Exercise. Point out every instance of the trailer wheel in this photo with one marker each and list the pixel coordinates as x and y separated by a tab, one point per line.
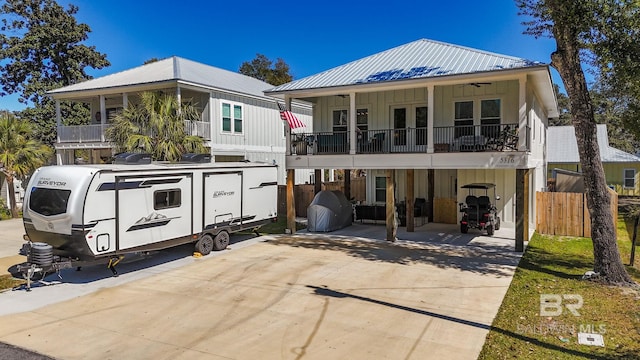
221	241
204	245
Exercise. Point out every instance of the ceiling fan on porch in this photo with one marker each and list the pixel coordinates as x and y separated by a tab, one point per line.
478	84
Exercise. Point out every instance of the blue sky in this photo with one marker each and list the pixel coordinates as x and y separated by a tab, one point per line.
309	36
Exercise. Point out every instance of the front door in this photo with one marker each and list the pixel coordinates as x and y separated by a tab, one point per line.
399	127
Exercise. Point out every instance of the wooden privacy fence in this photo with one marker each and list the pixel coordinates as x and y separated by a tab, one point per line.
304	194
560	213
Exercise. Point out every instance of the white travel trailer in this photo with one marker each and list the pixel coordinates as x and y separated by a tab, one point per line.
94	212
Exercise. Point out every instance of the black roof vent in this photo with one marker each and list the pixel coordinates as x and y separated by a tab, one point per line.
132	158
196	158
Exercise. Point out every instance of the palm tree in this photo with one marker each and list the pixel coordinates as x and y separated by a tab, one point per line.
20	154
156	125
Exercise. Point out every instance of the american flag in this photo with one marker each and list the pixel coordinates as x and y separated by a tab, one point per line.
291	119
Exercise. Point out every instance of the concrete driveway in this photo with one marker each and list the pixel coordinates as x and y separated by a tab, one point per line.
431	295
11	241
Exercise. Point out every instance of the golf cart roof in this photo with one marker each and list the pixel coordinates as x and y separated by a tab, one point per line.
484	186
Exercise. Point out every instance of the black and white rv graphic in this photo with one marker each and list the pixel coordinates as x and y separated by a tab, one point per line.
152	220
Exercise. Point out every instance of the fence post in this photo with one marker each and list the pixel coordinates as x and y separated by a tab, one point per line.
633	241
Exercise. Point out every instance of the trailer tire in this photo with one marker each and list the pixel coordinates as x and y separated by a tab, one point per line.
204	245
221	241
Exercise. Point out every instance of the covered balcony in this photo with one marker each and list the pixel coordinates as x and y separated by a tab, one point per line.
445	139
96	133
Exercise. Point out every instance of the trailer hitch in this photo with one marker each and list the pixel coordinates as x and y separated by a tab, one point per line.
113	261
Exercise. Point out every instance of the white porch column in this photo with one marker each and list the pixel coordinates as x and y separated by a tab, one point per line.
287	129
58	119
179	97
352	123
103	116
430	118
125	100
522	113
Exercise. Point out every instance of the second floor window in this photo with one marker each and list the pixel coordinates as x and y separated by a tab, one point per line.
463	118
490	118
340	119
231	118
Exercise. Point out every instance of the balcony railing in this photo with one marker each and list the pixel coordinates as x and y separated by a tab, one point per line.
501	137
81	133
198	128
95	133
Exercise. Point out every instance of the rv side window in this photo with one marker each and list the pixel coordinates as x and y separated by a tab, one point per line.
164	199
49	201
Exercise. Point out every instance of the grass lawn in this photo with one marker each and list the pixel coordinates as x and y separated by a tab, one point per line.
8	282
555	265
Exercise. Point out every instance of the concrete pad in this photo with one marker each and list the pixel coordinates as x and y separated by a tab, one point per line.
11	241
11	232
287	297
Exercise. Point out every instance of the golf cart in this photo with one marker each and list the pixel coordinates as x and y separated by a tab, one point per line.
479	212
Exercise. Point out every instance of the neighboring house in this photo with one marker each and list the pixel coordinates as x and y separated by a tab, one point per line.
4	191
620	168
238	122
434	115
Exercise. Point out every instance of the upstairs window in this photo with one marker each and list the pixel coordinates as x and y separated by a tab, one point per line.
340	121
231	118
463	118
490	118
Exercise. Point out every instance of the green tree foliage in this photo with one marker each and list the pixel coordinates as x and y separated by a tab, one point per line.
156	125
20	154
604	34
564	108
41	45
263	69
610	107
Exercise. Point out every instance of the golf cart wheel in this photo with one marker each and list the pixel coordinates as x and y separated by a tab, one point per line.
497	223
221	241
490	230
464	228
204	245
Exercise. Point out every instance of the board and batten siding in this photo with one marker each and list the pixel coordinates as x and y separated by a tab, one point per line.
262	138
505	180
379	104
444	98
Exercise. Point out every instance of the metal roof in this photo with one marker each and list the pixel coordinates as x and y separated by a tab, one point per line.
173	69
416	60
562	146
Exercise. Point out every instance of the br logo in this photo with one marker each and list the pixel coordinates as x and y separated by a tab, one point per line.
551	304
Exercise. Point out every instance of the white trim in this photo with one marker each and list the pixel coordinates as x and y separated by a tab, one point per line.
232	105
248	148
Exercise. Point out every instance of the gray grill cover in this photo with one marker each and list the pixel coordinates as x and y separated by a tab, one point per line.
329	211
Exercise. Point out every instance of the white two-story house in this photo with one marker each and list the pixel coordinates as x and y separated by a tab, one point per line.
424	119
238	121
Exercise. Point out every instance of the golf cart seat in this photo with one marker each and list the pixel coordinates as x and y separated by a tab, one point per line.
484	203
472	206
